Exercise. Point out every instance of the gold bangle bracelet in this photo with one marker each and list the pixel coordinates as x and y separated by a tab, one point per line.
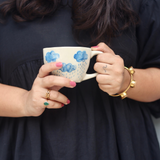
132	84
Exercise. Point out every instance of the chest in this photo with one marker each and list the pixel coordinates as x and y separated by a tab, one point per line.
23	42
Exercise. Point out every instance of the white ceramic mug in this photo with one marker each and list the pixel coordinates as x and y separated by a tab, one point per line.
75	61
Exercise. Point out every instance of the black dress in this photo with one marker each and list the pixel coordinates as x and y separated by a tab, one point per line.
94	126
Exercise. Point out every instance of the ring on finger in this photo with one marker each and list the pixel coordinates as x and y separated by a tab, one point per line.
48	94
47	97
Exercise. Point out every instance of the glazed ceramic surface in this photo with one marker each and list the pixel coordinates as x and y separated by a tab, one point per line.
75	61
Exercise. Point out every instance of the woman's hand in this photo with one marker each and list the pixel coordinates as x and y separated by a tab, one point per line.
112	77
35	98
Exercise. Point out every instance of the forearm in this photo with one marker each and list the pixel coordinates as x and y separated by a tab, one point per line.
147	87
11	101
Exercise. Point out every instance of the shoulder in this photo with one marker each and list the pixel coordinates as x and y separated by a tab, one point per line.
136	5
140	6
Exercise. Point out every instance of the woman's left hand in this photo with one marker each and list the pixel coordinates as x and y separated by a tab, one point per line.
110	68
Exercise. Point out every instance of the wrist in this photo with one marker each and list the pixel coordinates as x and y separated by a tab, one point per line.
125	82
24	110
131	84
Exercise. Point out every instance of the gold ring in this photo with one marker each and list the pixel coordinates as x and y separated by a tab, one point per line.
48	94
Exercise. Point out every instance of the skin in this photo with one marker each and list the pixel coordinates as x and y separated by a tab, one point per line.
31	103
17	102
115	79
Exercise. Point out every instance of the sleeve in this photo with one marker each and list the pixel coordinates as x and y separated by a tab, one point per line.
148	38
148	35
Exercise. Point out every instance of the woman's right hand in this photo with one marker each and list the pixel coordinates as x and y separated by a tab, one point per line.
35	98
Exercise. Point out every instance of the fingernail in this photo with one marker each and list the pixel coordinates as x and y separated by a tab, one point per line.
62	105
72	83
68	101
94	47
59	64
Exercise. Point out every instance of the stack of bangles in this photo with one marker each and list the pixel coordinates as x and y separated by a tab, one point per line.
132	84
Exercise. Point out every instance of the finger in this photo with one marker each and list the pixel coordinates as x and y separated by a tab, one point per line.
51	80
102	68
51	104
104	79
107	88
103	47
109	80
49	67
106	58
55	96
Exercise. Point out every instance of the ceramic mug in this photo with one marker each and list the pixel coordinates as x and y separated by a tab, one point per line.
75	61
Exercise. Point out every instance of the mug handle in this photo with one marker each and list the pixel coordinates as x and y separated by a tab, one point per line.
88	76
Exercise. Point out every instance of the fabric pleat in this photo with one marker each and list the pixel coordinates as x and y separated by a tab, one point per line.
94	126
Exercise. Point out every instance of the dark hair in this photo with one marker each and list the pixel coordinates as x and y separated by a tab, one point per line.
97	18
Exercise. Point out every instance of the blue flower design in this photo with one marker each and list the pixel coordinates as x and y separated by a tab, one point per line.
68	67
51	56
81	56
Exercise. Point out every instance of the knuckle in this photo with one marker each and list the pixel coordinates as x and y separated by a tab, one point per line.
118	56
98	57
35	83
118	72
119	59
42	69
100	86
102	44
56	95
98	78
103	88
95	66
48	79
112	51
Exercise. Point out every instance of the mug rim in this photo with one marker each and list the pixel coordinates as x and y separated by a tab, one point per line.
63	47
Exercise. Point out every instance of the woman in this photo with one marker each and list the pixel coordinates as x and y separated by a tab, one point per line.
87	120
